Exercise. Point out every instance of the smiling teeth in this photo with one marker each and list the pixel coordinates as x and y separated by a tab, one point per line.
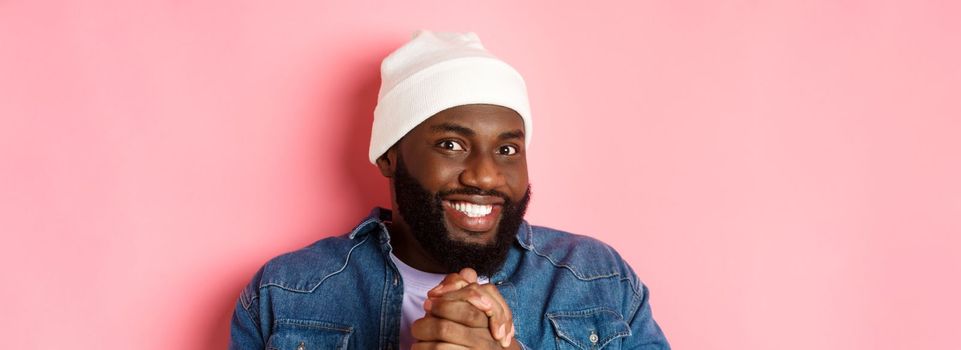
471	209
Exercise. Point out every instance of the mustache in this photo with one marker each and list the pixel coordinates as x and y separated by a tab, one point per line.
473	191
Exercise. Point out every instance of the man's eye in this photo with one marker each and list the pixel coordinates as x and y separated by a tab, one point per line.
507	150
451	145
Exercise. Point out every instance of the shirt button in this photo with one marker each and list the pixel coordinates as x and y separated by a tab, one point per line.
593	337
395	280
301	346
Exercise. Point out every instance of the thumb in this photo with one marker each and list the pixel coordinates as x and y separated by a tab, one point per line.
469	274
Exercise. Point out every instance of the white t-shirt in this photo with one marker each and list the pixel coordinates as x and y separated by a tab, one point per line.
416	285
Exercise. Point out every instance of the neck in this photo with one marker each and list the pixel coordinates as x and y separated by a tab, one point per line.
406	248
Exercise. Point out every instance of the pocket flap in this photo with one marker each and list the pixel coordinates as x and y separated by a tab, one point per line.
590	328
308	335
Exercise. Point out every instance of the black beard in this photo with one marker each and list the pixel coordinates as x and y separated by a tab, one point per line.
424	214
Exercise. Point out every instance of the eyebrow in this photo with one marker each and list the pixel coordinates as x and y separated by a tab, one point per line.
463	130
448	127
510	135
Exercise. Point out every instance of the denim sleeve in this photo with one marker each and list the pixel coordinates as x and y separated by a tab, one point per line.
646	334
245	329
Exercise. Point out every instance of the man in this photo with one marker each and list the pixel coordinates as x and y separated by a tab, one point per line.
453	265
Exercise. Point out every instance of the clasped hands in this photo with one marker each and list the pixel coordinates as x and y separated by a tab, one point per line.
462	314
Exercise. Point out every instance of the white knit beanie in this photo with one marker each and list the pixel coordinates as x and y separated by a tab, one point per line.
437	71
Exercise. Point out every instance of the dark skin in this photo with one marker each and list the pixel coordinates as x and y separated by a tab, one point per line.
480	146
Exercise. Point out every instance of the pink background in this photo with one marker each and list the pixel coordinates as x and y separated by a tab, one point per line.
783	175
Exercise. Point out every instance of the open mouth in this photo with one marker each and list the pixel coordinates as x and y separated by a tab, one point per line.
472	216
471	209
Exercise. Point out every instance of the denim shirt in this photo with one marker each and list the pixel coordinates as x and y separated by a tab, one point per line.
565	291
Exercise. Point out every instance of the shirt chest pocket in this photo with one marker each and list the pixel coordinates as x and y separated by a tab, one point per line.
595	328
308	335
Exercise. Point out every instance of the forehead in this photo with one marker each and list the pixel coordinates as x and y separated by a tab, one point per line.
481	118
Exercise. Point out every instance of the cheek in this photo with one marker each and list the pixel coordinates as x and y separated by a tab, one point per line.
517	179
438	174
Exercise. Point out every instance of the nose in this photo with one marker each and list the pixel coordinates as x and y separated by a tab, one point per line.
482	172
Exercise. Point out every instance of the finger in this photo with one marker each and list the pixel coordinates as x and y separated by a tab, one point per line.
459	311
451	282
507	317
502	322
437	346
468	274
480	302
480	296
437	329
473	295
441	330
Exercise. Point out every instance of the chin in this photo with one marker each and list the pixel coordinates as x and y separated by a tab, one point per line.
458	234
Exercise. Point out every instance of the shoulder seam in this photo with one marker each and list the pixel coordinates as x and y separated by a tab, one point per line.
250	312
636	301
311	290
577	274
570	268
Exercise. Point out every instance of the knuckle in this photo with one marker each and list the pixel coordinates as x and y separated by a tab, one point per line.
417	324
443	308
477	313
451	278
445	328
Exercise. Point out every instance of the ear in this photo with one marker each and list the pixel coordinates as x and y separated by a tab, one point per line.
387	163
